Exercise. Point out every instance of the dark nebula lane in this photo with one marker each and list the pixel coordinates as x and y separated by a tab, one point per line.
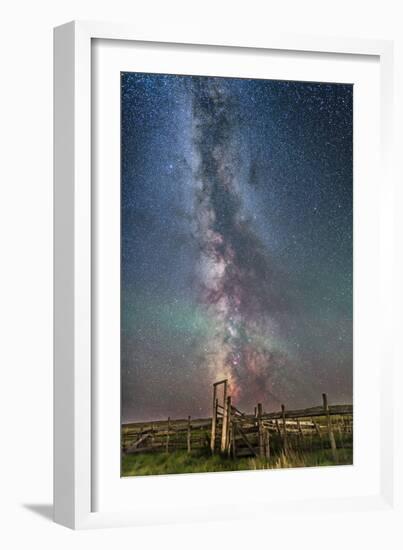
236	243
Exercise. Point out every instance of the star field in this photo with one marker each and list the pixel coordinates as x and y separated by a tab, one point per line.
237	236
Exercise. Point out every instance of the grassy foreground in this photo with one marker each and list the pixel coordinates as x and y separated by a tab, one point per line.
181	462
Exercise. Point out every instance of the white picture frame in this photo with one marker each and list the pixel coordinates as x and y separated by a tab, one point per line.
75	391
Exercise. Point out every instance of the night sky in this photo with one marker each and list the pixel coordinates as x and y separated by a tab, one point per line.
237	237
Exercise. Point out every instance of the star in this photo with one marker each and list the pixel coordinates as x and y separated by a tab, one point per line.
236	242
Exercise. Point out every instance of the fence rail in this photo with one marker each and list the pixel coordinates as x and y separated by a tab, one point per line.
238	434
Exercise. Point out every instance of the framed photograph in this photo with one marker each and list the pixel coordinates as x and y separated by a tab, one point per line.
221	230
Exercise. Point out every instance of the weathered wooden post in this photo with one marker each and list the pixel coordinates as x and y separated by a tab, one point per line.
340	431
214	419
228	436
167	442
189	435
285	439
300	430
224	420
329	428
233	442
267	443
318	432
260	428
317	429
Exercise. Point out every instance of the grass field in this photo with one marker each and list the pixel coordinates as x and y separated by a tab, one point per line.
181	462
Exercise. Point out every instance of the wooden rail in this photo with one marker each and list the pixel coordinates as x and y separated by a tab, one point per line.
259	433
237	434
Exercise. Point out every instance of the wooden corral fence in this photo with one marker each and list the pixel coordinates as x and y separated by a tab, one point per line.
237	434
166	435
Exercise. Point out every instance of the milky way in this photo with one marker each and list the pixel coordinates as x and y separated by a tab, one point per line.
236	243
235	273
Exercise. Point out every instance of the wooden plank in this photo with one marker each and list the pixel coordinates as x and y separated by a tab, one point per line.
329	428
301	433
228	435
340	432
239	430
137	442
340	410
284	426
317	429
224	421
266	443
249	429
214	420
260	430
167	440
238	411
221	382
189	434
245	452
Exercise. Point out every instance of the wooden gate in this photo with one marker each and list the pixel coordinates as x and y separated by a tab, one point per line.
235	433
